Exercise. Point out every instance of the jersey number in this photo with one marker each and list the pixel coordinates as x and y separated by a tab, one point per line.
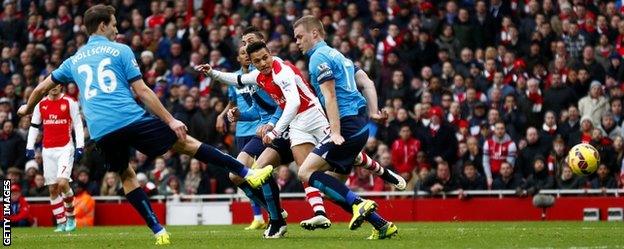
350	78
102	73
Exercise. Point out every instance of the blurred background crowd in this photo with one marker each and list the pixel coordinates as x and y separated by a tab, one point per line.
482	94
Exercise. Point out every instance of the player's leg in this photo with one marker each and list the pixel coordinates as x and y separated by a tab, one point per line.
328	156
364	161
313	195
66	163
277	223
115	148
49	174
208	154
248	152
57	208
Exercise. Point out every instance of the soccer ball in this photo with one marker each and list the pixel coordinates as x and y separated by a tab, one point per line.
583	159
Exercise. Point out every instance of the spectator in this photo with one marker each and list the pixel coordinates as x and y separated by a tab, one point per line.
438	139
615	108
173	186
583	135
84	177
179	77
608	126
470	178
535	146
473	155
16	176
549	130
532	101
111	185
20	209
440	181
193	177
568	180
84	205
559	95
571	125
12	147
496	150
507	179
515	120
394	127
361	179
39	189
594	105
287	183
186	113
556	160
148	187
603	179
540	179
404	151
159	174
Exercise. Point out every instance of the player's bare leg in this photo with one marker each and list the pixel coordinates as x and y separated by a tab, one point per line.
67	195
313	195
364	161
57	207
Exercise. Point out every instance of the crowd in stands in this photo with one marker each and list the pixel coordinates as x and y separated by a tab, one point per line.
482	94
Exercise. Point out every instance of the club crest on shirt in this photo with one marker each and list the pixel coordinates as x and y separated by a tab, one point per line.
63	107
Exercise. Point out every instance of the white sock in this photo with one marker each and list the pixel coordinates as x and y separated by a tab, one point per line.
259	217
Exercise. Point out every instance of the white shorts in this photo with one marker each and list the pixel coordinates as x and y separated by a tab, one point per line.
57	163
310	126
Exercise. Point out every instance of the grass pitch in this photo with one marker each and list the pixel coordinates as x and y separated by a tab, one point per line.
411	235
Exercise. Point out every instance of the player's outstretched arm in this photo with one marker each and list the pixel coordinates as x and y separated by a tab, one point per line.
328	88
40	91
367	87
154	105
232	79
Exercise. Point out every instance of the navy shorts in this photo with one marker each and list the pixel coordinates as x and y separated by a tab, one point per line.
282	146
354	129
252	145
150	136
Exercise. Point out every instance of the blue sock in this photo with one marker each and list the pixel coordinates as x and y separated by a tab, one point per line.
210	155
256	209
376	220
255	195
271	195
334	188
141	204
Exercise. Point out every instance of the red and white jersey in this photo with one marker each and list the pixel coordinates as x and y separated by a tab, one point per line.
497	151
57	118
287	88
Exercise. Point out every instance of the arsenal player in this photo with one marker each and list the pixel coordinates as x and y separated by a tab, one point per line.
57	115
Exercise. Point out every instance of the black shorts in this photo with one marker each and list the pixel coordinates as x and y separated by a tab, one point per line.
282	146
354	129
252	145
150	136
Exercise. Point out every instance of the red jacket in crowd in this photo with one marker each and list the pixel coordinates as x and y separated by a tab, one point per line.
404	154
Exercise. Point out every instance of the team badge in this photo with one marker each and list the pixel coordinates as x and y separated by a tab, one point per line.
63	107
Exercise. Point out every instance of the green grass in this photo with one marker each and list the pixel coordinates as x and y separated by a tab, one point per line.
411	235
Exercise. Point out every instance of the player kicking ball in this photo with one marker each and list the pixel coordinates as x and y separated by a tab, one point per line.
57	115
334	78
107	73
302	112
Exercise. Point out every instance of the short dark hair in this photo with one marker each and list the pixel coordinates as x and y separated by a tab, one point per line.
255	31
255	47
96	15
